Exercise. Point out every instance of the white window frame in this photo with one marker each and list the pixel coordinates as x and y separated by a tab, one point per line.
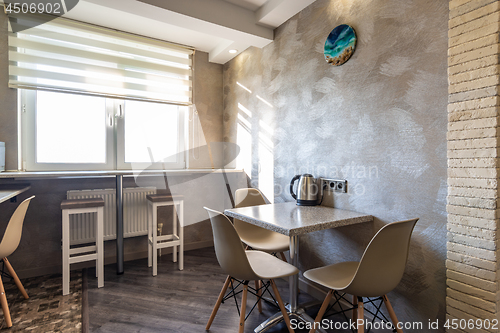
115	159
158	165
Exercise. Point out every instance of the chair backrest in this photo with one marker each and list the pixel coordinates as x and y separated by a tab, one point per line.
13	232
245	197
383	263
228	248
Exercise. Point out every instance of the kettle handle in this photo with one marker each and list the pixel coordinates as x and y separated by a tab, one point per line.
291	186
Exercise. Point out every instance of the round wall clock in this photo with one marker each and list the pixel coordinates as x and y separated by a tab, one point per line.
340	45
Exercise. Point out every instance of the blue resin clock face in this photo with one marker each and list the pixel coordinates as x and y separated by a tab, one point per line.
340	45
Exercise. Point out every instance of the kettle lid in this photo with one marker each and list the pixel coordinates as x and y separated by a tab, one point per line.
307	175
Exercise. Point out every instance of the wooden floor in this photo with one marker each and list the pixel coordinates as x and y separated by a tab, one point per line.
173	301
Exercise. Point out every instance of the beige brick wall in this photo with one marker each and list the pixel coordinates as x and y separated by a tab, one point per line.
473	208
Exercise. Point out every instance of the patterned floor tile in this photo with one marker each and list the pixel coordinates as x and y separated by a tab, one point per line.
47	310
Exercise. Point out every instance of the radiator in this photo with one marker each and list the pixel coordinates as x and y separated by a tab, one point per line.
134	214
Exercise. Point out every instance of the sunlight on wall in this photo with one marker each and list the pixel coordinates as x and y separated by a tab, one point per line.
264	150
244	140
266	158
264	101
242	86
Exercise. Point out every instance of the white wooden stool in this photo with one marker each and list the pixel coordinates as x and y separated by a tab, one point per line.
175	239
81	254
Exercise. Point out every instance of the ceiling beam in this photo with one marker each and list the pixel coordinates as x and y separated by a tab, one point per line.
276	12
218	12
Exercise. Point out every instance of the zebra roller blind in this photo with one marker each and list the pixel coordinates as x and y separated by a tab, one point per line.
69	56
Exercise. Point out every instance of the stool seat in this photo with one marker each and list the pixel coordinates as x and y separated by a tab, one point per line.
163	197
176	239
82	203
82	253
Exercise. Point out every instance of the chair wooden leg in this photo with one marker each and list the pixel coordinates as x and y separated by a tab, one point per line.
282	306
258	285
16	279
243	308
5	305
392	314
283	257
219	301
322	310
355	308
361	316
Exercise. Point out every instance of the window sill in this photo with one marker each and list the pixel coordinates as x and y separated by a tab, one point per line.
106	173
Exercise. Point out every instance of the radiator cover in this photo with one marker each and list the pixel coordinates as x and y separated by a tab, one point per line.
134	214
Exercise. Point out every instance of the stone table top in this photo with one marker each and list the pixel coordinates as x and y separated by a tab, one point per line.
289	219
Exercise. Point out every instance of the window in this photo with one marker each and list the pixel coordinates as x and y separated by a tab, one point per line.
56	142
146	129
64	131
99	99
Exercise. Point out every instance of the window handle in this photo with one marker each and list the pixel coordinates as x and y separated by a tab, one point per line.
120	112
110	120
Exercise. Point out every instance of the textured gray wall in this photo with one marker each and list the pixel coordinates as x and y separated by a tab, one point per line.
378	121
8	105
205	127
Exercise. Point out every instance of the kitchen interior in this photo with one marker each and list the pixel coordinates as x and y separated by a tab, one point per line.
405	129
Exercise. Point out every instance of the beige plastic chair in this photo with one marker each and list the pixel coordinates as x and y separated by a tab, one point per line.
9	244
243	266
256	237
379	271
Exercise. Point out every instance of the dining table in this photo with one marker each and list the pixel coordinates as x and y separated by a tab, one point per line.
292	220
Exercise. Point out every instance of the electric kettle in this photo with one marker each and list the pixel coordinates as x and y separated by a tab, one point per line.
307	190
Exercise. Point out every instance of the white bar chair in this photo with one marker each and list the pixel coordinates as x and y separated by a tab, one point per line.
173	240
86	253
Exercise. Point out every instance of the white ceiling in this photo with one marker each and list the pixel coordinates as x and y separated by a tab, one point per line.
213	26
